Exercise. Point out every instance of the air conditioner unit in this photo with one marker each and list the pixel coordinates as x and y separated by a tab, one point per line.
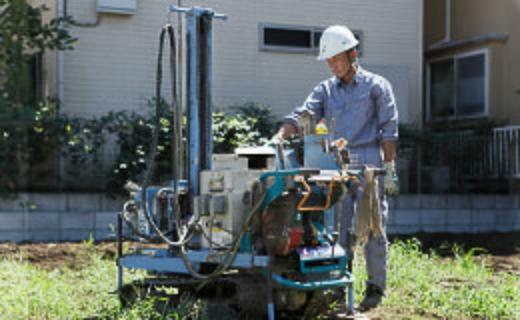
127	7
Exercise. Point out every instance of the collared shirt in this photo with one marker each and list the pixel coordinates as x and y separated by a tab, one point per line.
363	111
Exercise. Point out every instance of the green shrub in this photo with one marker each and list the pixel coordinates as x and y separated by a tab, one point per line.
36	134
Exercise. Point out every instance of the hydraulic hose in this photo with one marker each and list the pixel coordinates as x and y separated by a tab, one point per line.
155	140
223	266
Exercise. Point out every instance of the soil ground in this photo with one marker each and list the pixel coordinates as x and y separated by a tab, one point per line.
502	248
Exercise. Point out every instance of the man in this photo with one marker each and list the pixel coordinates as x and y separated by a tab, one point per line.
362	106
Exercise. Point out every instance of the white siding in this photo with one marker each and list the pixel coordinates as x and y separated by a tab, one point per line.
113	66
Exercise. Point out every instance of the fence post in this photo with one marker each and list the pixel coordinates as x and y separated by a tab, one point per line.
419	168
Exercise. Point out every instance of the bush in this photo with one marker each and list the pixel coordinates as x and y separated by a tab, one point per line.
250	126
80	143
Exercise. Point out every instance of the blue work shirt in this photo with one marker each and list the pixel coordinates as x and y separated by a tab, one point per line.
363	111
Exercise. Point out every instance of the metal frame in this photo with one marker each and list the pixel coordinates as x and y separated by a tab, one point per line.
160	260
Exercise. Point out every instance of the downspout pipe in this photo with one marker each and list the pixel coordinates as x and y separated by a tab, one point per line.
447	21
60	92
60	61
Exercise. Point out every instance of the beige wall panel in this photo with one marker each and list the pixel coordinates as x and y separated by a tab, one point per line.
391	34
512	64
113	66
477	17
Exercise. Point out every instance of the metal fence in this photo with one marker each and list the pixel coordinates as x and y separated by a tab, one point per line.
495	155
505	153
463	162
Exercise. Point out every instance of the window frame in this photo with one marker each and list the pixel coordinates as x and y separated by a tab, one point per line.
455	58
313	49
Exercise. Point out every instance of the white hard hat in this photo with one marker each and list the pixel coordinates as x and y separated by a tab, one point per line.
334	40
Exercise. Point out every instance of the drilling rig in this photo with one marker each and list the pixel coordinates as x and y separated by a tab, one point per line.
260	236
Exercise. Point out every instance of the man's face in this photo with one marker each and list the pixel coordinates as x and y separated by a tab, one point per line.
340	65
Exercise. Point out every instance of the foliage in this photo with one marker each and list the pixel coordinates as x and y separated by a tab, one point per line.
134	133
23	32
121	138
28	125
263	123
33	135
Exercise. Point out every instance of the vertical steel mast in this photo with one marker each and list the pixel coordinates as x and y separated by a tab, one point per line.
199	40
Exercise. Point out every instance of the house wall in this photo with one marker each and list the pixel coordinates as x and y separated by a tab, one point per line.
471	18
499	17
243	72
113	65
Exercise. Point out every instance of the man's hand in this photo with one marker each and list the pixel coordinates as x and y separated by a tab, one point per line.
277	139
390	181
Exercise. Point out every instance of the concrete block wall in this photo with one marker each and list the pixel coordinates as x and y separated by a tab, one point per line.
77	216
454	213
58	217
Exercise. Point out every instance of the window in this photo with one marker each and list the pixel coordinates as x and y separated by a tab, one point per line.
457	86
296	39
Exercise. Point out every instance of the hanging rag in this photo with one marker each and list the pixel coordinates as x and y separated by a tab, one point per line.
368	219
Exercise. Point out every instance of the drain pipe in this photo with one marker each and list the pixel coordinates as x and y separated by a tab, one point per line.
447	21
60	92
60	61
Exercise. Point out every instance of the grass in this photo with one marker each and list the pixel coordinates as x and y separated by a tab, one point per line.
420	286
428	286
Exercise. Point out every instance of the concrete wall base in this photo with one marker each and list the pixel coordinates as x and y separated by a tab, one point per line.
35	217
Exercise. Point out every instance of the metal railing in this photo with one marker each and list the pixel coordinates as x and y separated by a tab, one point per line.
506	151
493	155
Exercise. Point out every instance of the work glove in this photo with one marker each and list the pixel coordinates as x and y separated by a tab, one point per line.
391	181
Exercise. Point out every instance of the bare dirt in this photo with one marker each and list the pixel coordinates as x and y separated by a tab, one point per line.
50	256
502	248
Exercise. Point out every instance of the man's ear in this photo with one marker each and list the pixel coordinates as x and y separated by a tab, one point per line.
353	55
